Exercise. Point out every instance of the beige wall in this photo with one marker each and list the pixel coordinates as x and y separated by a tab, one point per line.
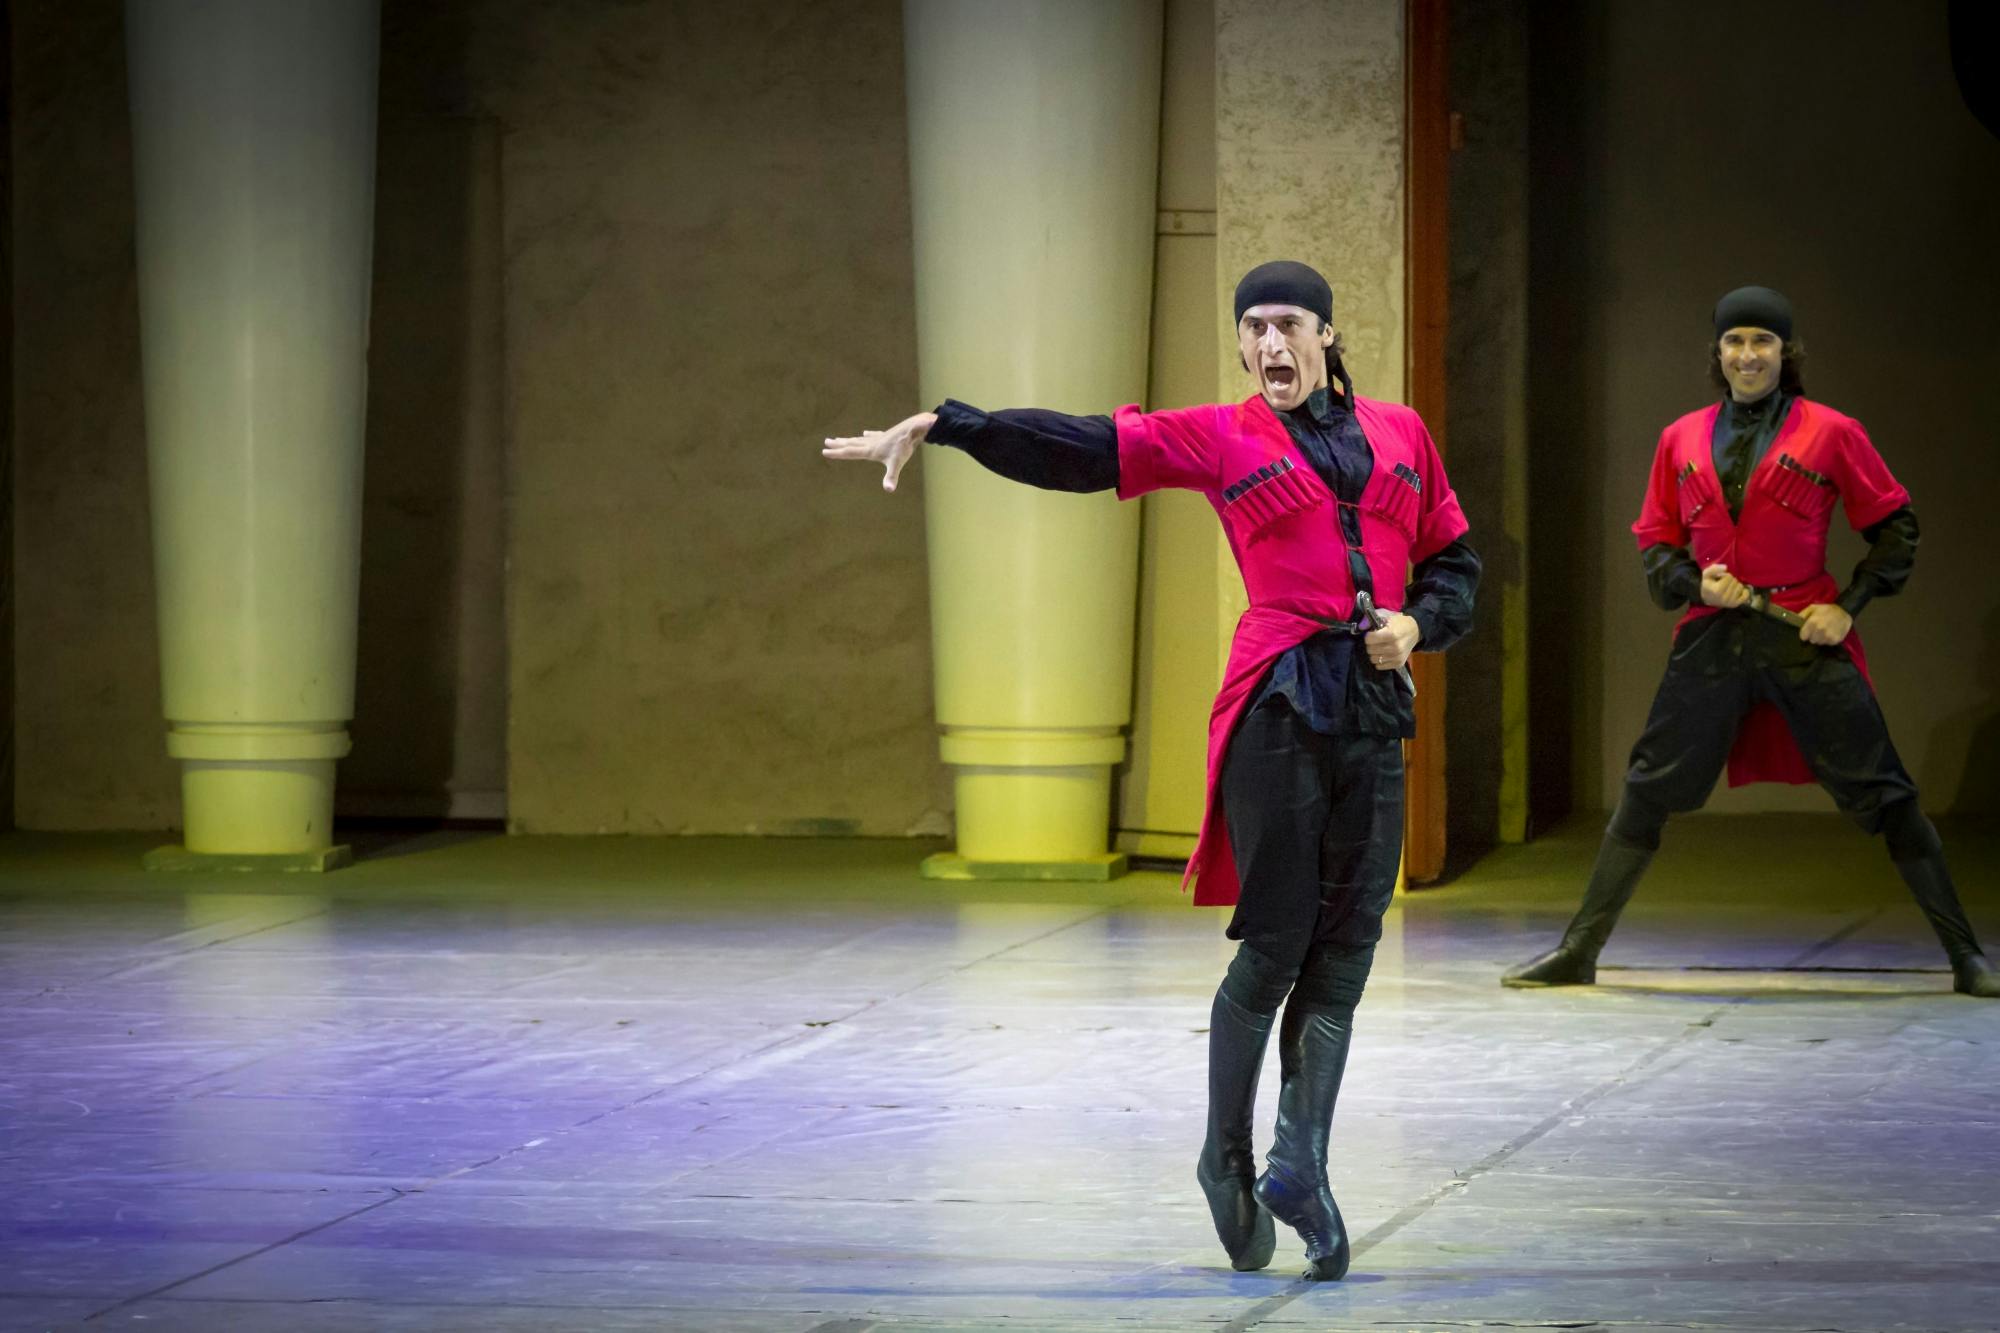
1850	175
706	228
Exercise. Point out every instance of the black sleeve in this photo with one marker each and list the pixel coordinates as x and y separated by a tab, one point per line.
1672	577
1440	595
1892	554
1045	449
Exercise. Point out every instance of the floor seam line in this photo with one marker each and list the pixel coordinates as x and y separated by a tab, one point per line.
1839	936
397	1196
212	1269
141	968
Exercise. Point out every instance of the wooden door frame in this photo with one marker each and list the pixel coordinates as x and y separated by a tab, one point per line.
1426	310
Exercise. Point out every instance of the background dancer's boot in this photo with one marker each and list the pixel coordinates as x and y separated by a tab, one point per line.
1574	961
1227	1168
1930	884
1312	1050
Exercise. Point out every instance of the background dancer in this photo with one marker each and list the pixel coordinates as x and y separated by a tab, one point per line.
1766	673
1327	500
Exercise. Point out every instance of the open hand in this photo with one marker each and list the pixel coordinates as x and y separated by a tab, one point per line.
891	448
1390	647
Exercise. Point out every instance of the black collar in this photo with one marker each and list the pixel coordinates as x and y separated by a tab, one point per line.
1324	406
1757	413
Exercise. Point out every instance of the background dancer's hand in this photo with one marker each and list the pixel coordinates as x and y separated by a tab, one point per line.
1391	646
1721	588
891	448
1826	624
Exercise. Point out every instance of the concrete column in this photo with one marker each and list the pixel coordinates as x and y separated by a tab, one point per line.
1034	131
254	155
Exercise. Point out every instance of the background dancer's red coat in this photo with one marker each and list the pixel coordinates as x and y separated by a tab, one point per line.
1280	520
1820	456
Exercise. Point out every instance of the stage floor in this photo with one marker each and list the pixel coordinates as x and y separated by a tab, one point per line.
477	1083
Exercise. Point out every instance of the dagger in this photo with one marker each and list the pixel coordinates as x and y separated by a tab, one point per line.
1762	604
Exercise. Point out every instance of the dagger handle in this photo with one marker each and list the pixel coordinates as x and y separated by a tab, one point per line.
1366	606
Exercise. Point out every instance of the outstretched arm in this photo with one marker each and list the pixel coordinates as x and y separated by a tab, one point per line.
1052	450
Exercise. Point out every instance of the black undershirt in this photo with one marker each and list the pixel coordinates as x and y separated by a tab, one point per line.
1742	436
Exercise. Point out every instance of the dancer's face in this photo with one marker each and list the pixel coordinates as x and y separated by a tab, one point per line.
1284	347
1750	360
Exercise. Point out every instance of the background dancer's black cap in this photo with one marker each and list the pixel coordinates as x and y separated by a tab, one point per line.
1751	308
1285	282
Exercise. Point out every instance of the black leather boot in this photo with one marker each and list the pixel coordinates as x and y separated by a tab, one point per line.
1239	1028
1574	961
1930	884
1312	1053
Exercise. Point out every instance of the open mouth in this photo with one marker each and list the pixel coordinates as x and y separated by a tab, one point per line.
1280	378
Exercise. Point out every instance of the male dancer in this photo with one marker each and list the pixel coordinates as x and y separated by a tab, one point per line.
1766	671
1327	500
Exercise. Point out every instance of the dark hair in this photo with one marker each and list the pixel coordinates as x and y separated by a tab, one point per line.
1791	370
1335	352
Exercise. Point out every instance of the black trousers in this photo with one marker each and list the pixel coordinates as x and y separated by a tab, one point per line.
1317	827
1720	667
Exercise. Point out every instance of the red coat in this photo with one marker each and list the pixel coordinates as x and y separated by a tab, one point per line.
1281	522
1818	458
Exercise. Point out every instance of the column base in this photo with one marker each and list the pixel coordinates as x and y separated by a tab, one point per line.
1157	846
256	790
1089	869
1032	797
179	859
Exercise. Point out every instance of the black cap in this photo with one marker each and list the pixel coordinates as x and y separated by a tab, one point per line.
1754	308
1285	282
